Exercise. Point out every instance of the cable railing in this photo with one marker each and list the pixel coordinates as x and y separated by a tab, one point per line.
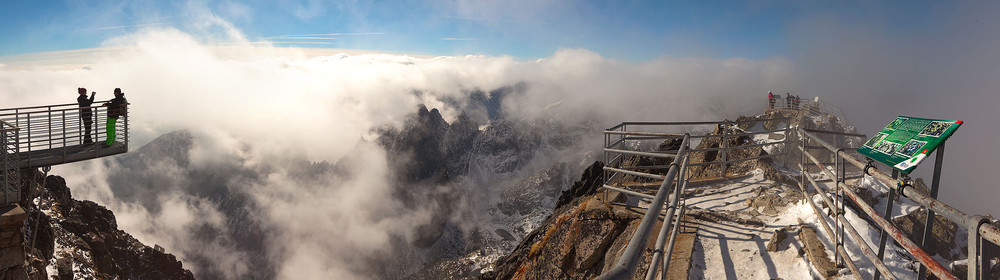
979	228
622	144
56	134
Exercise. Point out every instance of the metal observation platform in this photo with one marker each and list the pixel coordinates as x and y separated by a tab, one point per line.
43	136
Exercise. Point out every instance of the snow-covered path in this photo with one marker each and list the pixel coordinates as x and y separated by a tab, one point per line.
731	242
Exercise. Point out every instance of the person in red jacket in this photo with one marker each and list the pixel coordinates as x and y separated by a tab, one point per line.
770	100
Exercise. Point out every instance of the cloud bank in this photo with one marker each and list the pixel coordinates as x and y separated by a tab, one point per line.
271	114
266	114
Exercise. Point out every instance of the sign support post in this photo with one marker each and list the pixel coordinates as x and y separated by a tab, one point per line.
929	221
903	144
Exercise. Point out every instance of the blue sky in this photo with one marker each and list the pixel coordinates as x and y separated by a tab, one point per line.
629	30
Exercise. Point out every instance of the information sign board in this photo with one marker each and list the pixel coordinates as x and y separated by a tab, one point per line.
906	141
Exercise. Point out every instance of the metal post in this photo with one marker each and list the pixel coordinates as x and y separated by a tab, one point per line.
621	177
839	201
803	167
34	233
784	159
48	121
979	262
725	149
842	173
929	221
28	126
125	130
888	215
604	175
4	157
64	135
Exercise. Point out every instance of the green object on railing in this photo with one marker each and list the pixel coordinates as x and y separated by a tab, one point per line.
906	141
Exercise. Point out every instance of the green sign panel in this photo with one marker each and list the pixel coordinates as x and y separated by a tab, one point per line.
906	141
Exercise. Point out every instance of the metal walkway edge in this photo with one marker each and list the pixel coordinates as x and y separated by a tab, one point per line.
43	136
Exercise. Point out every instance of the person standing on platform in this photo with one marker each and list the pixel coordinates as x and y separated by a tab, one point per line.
86	115
788	100
116	109
770	100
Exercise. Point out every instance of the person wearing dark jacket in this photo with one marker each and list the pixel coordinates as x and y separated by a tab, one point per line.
116	109
85	113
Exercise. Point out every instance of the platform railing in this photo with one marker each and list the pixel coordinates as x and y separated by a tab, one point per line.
9	177
50	134
621	143
979	228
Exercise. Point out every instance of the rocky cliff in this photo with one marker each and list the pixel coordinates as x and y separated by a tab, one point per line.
81	240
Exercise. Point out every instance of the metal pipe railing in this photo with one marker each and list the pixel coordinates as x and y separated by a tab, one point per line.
668	222
59	127
616	147
627	264
979	228
956	216
638	153
8	141
842	221
56	134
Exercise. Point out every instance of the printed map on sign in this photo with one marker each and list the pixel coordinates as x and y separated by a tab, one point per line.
906	141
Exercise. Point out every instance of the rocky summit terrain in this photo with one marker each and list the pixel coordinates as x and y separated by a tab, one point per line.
753	222
76	239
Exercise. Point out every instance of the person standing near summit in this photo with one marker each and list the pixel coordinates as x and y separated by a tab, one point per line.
116	109
770	100
85	113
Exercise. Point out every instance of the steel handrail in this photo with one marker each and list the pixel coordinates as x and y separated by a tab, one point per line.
853	233
615	150
896	234
668	222
979	228
53	135
627	264
639	153
956	216
835	133
692	122
46	106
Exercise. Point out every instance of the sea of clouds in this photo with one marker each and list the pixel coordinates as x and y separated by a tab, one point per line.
259	107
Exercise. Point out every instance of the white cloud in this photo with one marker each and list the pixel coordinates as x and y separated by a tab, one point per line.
259	107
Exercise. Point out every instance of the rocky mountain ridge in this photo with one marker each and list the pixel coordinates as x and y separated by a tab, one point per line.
81	240
486	179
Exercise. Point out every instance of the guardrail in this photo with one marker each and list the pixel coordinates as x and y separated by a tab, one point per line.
55	134
979	228
621	143
10	177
